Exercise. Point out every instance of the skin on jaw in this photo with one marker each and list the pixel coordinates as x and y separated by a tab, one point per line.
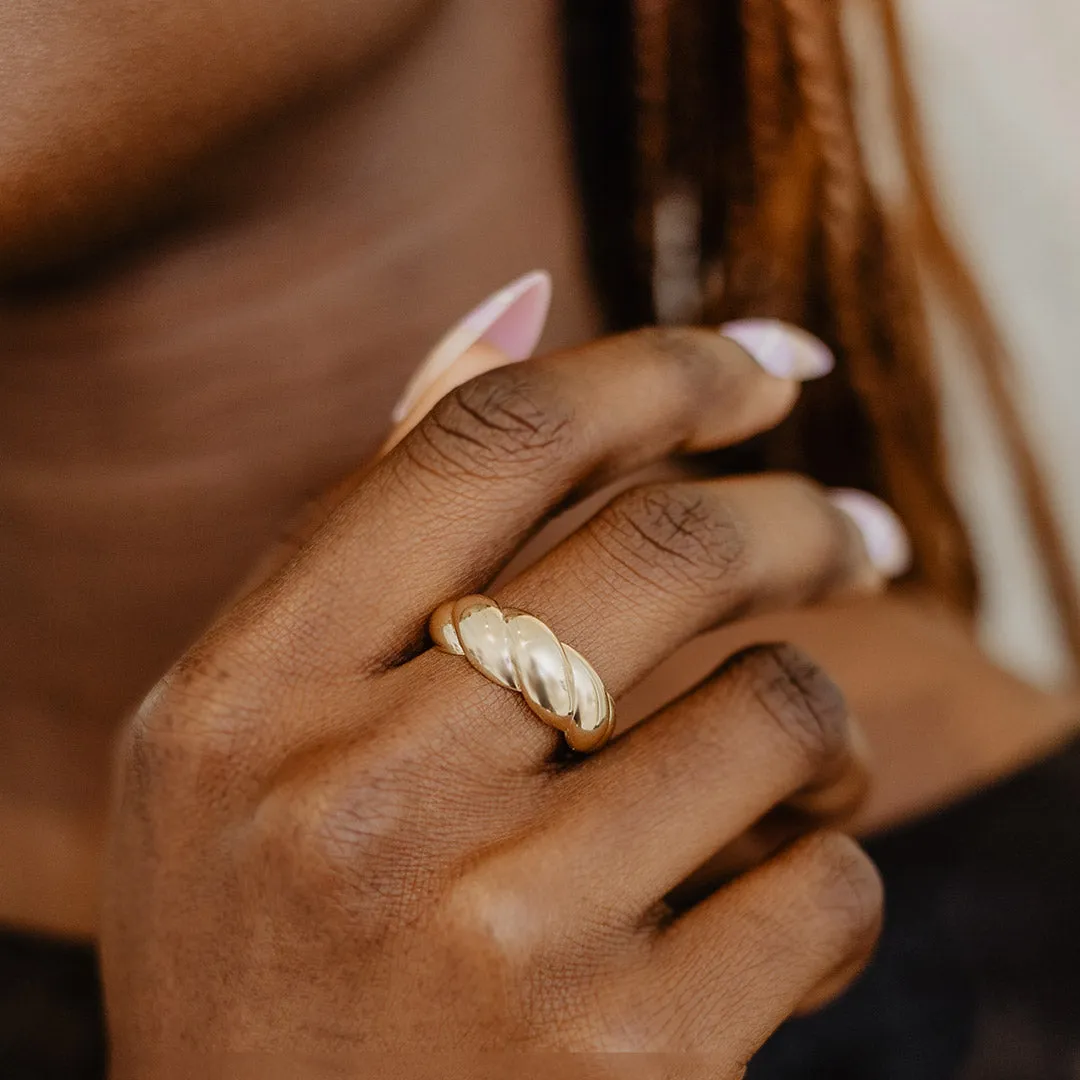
105	101
164	414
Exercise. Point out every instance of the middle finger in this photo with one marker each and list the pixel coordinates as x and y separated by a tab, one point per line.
663	563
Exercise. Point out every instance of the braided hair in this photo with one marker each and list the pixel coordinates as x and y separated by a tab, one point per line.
723	176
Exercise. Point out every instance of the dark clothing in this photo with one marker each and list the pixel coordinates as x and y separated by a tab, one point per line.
978	972
51	1025
977	976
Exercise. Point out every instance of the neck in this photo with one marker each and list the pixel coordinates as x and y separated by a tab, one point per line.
160	422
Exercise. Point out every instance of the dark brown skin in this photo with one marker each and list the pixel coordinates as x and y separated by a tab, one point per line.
165	415
328	844
162	422
106	102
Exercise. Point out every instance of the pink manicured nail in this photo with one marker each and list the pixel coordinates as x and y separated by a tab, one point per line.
885	537
512	320
781	349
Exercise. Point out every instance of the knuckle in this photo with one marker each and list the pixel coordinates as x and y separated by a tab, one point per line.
189	727
674	533
630	1025
703	364
797	486
797	697
493	921
833	545
345	837
694	353
847	892
494	928
348	833
506	419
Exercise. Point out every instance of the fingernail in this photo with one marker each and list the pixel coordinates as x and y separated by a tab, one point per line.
512	320
884	535
781	349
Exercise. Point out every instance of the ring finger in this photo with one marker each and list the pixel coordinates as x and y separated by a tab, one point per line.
627	826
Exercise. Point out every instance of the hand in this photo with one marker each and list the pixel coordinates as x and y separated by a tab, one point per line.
942	720
331	839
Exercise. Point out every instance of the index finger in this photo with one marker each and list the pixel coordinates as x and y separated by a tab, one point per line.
445	509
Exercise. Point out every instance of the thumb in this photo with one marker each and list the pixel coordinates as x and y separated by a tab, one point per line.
502	330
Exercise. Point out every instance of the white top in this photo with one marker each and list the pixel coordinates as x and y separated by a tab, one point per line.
998	85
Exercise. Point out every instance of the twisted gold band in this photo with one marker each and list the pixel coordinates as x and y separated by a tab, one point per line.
519	652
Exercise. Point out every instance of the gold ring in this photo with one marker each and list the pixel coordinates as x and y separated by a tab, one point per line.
521	653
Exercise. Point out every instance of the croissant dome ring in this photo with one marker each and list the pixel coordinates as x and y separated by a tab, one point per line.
521	653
